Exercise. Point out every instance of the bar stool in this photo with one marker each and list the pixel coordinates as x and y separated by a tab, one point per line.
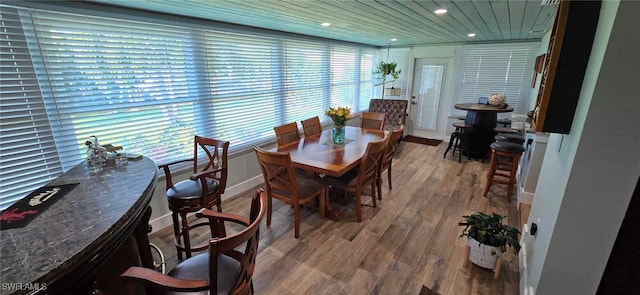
509	137
506	122
456	140
501	151
504	130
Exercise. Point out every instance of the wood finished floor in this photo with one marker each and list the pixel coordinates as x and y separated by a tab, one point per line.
409	240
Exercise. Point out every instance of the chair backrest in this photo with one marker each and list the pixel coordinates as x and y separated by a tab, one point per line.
249	236
396	109
370	160
216	151
222	249
311	126
390	149
279	174
287	133
372	120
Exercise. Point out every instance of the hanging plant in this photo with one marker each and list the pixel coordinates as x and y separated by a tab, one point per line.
385	69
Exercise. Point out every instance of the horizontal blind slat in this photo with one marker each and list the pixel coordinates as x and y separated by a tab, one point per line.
151	87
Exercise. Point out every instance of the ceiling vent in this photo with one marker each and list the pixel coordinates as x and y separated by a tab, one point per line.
550	2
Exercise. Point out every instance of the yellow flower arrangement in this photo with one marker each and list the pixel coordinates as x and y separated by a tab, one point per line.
339	115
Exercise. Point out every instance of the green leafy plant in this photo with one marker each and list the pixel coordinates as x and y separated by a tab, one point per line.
489	230
385	69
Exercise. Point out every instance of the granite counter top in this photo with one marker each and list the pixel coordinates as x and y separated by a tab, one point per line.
71	231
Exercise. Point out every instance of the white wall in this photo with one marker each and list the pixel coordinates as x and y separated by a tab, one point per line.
588	176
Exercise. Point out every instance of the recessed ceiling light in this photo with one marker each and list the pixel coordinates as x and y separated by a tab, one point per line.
325	24
471	35
393	39
440	11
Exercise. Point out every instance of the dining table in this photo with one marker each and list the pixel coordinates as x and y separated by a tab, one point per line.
321	155
483	118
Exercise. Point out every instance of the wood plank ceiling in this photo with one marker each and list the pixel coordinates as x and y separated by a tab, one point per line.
411	22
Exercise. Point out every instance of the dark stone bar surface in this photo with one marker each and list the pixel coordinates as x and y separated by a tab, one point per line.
66	247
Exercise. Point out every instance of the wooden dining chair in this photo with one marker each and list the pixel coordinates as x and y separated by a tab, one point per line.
203	189
287	133
283	183
356	180
311	126
372	120
387	158
228	266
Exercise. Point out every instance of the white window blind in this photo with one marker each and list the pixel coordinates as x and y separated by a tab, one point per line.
305	80
27	150
501	68
343	76
129	84
366	80
245	86
151	87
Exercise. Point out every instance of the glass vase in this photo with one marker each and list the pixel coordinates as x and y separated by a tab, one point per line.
337	134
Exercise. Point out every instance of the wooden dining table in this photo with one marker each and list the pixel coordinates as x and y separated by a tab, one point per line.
320	155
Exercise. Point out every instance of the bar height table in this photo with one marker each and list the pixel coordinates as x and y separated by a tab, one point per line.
87	237
483	118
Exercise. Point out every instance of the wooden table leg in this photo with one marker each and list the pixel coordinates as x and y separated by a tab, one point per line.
332	213
329	211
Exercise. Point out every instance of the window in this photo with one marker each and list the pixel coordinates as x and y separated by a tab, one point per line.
151	87
27	153
502	68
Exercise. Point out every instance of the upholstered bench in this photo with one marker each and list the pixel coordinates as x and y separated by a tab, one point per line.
395	109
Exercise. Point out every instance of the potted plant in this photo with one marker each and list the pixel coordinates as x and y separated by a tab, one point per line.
489	238
385	69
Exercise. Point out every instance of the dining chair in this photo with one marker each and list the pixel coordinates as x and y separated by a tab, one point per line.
372	120
203	189
387	158
287	133
311	126
283	183
228	266
356	179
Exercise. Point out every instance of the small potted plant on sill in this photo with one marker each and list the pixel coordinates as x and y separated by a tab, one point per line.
489	238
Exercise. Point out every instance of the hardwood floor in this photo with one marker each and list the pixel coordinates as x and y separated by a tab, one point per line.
409	240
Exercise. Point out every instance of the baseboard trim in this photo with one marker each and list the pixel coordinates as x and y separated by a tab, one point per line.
165	220
525	198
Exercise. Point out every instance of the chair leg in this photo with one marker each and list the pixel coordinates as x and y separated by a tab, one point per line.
296	220
389	175
358	207
324	195
490	173
378	182
176	232
269	206
219	204
373	194
512	176
459	144
452	138
185	234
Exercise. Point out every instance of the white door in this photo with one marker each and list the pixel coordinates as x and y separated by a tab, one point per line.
426	114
